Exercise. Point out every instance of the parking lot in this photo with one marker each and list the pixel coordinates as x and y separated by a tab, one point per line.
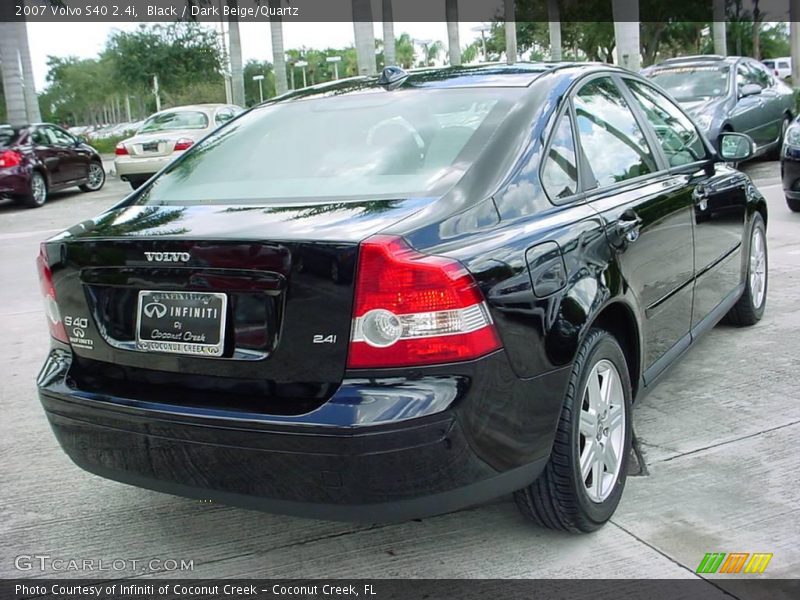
718	436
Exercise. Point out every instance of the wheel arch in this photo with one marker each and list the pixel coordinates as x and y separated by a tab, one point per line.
618	319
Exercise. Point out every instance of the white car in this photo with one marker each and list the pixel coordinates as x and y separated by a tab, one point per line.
780	67
166	135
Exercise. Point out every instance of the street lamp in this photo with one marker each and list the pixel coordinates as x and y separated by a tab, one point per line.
302	64
259	79
335	60
482	29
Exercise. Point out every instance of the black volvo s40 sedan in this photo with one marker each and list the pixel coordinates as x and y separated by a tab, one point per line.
395	296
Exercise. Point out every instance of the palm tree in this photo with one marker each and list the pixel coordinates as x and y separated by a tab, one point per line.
719	26
278	53
626	33
757	17
389	55
31	99
511	32
554	18
364	36
12	76
453	43
235	42
794	40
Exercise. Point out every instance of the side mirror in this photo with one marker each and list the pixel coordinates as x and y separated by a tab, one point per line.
735	147
750	89
79	140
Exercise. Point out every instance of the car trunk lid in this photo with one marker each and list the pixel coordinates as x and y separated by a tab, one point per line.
271	289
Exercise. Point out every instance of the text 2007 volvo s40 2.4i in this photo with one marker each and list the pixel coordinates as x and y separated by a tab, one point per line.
395	296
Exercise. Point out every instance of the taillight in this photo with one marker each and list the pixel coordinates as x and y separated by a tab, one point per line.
10	158
121	150
414	309
183	144
48	291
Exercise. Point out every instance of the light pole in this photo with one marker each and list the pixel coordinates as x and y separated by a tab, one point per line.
259	79
482	30
335	60
303	64
290	62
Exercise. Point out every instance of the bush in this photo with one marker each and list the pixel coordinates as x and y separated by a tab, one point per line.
107	145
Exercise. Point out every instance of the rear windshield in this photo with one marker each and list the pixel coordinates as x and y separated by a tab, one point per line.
184	119
693	83
374	144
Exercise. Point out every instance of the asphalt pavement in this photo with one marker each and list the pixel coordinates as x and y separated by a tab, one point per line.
719	438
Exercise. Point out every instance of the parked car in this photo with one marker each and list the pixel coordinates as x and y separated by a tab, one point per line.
780	67
41	158
730	94
790	166
534	246
165	136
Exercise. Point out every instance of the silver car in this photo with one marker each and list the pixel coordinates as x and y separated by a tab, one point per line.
731	93
166	135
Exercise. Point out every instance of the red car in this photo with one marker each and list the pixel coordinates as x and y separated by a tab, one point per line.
38	159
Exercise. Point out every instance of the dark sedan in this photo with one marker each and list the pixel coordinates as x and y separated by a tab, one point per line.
524	250
790	166
38	159
731	93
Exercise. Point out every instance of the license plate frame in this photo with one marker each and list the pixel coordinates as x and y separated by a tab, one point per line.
180	322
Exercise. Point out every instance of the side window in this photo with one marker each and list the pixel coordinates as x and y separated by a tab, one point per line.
760	75
40	137
676	133
61	138
560	171
223	115
746	75
613	142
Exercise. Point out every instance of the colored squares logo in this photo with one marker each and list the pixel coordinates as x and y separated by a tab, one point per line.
734	562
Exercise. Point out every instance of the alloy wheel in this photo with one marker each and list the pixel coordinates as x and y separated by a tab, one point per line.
758	267
602	430
38	189
96	176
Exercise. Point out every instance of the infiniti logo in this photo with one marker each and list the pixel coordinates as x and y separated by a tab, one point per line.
167	256
155	309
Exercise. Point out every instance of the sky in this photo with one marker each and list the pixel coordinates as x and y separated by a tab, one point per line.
86	40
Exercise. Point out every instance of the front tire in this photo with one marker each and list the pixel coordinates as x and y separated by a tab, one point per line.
37	195
95	178
582	483
750	307
794	204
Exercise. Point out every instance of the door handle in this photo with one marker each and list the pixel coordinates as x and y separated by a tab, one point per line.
628	226
700	196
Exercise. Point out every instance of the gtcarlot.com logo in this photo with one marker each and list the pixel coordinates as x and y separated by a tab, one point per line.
734	562
45	563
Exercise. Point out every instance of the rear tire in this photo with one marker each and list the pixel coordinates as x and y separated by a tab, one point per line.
593	438
137	182
37	195
96	178
794	204
749	309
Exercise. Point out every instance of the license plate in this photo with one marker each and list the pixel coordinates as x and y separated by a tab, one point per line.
181	322
150	147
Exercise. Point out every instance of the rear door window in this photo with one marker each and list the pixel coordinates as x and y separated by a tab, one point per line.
560	171
613	143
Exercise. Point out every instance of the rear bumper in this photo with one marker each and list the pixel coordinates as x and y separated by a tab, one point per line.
14	181
474	449
140	166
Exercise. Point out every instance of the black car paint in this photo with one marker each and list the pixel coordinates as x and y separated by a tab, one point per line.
63	165
294	431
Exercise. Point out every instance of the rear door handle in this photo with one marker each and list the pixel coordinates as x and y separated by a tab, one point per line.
628	226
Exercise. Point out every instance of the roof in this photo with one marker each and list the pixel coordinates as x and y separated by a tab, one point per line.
699	59
521	74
